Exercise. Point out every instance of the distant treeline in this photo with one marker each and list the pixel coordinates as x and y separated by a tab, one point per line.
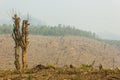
113	42
5	29
58	30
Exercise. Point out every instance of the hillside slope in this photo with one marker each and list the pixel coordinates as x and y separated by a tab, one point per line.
60	51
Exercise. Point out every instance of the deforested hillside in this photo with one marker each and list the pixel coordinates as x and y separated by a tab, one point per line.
59	30
61	51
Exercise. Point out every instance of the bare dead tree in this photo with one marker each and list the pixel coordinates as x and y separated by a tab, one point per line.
21	40
24	42
16	36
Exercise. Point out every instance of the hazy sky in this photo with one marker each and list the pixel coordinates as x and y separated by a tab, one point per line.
95	15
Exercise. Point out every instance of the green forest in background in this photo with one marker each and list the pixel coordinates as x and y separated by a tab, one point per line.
59	30
50	31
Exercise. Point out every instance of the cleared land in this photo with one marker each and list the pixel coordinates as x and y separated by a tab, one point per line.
41	72
60	51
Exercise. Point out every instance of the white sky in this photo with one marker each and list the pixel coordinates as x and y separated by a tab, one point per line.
95	15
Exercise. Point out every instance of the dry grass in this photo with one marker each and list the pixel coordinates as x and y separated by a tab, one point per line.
61	73
60	51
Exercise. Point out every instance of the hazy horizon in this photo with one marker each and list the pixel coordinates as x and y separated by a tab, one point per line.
100	16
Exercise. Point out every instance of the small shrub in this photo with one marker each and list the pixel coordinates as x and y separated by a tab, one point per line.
29	77
60	71
86	67
51	67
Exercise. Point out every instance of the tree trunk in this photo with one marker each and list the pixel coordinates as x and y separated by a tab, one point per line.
21	40
24	57
17	63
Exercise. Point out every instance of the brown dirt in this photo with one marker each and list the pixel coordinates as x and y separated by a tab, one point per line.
60	51
64	73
